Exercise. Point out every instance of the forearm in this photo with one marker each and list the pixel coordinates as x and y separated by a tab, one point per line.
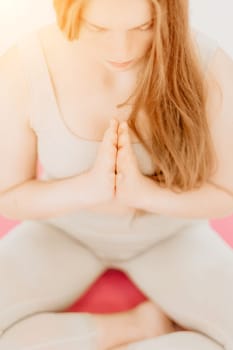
209	201
38	199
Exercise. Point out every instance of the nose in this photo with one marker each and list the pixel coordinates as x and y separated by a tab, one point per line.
120	47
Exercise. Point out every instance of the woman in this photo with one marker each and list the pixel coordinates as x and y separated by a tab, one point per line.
129	195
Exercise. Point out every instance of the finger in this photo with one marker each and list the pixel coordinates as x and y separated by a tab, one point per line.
110	135
119	161
123	135
113	125
113	159
119	178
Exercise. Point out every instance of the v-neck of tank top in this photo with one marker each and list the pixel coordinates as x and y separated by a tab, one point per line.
59	115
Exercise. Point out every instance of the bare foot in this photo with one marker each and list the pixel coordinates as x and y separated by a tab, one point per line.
146	320
152	320
149	322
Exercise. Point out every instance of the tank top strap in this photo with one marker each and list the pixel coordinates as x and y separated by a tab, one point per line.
42	98
206	47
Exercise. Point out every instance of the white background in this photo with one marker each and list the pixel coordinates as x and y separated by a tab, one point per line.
214	17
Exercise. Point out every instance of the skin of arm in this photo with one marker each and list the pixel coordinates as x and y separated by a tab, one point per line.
207	202
22	195
42	199
214	199
38	199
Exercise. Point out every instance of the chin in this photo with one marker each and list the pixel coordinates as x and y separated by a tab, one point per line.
115	69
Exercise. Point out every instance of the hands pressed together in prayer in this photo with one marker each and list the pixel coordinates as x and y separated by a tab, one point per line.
129	179
115	174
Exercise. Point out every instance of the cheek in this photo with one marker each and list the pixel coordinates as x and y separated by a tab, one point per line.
88	43
148	42
145	43
87	39
94	43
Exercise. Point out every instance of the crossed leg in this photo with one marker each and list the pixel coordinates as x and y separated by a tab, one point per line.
43	270
190	275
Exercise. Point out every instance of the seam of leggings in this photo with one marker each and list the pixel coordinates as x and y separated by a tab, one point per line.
28	302
219	333
60	341
91	336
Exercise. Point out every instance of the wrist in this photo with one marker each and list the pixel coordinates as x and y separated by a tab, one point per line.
142	192
83	188
150	198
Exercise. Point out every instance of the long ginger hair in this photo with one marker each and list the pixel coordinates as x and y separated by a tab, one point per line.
172	91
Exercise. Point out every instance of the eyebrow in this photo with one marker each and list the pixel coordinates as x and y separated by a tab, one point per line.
104	28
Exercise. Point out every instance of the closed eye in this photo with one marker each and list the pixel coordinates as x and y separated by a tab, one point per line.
147	26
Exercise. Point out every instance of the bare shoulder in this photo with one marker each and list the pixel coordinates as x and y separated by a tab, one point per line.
13	85
220	86
13	79
220	82
221	62
220	114
53	39
17	140
10	63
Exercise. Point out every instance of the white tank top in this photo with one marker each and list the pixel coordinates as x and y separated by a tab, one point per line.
62	154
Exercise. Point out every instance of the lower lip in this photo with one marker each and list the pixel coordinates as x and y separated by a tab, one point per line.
120	65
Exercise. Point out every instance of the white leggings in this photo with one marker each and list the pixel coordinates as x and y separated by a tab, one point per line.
43	271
